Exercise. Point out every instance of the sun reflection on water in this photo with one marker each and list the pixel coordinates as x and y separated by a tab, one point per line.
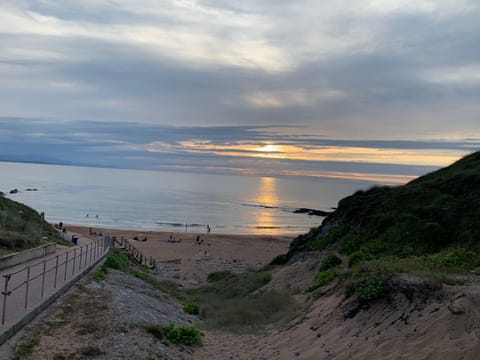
268	197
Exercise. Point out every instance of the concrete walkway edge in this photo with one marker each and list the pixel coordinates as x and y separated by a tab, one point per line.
14	328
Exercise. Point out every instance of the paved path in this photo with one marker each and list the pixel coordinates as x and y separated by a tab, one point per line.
45	277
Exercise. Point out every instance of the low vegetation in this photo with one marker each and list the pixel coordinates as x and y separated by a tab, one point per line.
21	227
119	260
26	348
235	302
428	227
181	335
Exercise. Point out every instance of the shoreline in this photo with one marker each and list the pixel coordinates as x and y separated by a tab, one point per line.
189	262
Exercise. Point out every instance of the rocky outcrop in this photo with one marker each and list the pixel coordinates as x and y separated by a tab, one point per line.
311	212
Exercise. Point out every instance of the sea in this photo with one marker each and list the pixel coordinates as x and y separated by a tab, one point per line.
172	201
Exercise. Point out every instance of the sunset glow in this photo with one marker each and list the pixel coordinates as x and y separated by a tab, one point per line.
435	157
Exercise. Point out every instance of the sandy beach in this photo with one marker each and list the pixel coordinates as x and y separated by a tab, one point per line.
187	262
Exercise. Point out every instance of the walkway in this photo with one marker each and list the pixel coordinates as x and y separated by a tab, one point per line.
28	286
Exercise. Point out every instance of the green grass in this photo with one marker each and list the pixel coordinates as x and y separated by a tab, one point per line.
167	287
100	274
118	260
182	335
26	348
21	227
235	302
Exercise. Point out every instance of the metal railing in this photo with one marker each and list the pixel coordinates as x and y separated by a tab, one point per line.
134	253
26	287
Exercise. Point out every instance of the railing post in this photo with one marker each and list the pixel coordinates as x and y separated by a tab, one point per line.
91	251
56	272
74	257
66	266
27	285
5	293
86	255
43	276
80	261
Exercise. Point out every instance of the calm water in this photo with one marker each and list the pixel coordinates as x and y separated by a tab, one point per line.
158	200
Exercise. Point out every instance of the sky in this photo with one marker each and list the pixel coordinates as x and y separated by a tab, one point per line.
372	90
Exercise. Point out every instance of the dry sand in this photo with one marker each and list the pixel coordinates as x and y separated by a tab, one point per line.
182	261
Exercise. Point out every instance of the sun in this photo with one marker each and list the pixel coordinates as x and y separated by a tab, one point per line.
270	151
269	148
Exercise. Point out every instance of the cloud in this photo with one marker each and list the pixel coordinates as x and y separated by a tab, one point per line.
394	70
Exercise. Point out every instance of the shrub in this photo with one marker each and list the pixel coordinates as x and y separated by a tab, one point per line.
191	308
183	335
359	256
452	260
155	330
371	289
322	241
280	259
330	261
326	277
100	274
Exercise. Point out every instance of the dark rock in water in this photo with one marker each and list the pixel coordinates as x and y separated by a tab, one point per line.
14	191
311	212
2	194
31	189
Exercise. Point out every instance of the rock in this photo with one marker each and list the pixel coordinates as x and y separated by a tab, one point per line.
14	191
456	305
31	189
311	212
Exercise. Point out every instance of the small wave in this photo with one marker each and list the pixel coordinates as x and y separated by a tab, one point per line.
170	224
260	206
174	224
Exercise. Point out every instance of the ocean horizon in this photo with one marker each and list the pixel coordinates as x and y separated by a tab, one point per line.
167	200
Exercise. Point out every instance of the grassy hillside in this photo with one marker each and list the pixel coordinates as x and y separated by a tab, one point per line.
21	227
430	224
